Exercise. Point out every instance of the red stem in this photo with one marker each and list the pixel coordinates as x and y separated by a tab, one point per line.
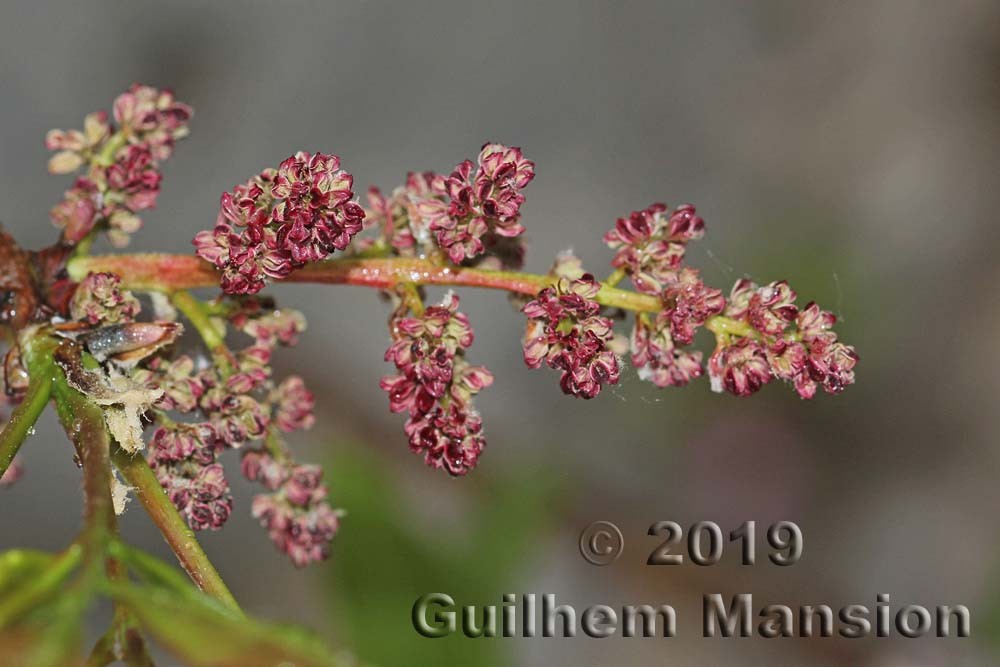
175	272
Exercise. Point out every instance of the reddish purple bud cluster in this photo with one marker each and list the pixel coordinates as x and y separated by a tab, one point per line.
295	513
657	357
184	458
566	330
397	217
798	346
122	163
765	335
99	299
650	244
280	220
435	386
477	202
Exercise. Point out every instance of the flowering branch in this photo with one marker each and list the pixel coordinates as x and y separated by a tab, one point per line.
135	406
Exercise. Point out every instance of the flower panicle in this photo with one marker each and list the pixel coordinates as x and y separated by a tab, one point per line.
797	345
295	511
435	386
567	332
120	157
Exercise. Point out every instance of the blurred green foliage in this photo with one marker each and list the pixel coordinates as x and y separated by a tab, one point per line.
383	563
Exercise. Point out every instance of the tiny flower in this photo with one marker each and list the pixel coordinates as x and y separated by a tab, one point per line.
566	331
259	466
303	487
77	213
772	307
449	438
252	370
175	443
397	215
689	304
297	516
304	534
650	245
182	387
293	405
477	200
152	117
76	147
99	299
740	368
814	322
200	493
235	418
738	303
657	357
272	327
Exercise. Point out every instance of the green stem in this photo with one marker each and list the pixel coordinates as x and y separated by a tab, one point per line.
83	422
26	414
720	325
175	531
616	277
200	315
411	296
107	155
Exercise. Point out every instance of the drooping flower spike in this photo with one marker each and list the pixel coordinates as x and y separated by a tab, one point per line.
435	385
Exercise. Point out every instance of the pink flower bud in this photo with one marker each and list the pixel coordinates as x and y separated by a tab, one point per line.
280	220
741	368
294	405
650	245
99	299
565	331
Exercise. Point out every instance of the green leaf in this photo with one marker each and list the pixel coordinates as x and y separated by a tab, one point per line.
202	635
18	566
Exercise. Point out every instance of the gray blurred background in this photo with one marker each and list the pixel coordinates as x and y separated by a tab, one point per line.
848	147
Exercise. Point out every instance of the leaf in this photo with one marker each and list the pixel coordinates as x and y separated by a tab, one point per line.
18	566
204	636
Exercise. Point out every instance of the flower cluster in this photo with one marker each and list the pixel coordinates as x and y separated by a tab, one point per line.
99	299
785	342
566	331
760	333
228	405
122	163
435	386
477	202
400	223
280	220
650	244
295	512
